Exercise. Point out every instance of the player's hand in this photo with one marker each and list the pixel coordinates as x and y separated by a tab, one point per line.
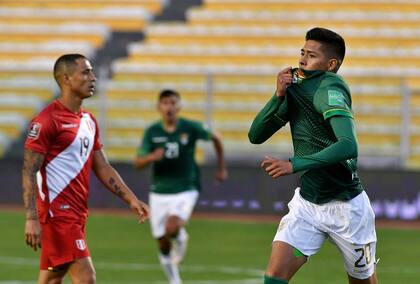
33	233
141	209
221	174
157	154
276	168
284	80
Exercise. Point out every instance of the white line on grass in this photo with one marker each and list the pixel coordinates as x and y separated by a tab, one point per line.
142	266
254	273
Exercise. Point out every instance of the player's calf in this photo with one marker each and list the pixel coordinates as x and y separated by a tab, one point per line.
180	246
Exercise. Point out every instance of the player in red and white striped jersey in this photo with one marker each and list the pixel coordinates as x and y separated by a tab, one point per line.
61	148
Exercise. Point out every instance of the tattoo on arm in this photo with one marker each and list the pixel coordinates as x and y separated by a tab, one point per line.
116	188
32	163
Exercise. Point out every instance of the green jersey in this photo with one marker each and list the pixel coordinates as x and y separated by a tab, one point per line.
314	98
177	171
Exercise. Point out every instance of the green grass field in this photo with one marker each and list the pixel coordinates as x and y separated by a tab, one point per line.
219	252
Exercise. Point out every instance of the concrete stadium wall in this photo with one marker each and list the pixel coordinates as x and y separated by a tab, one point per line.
394	194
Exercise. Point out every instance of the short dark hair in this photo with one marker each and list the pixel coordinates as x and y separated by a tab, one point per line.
332	43
64	63
168	93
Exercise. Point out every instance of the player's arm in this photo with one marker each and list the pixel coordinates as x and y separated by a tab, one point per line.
274	114
270	119
146	154
345	148
143	160
221	173
114	183
32	162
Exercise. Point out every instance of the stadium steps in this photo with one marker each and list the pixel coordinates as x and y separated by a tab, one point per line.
117	19
153	6
33	33
324	6
234	40
93	34
304	17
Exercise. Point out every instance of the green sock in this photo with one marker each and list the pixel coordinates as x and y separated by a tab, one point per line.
272	280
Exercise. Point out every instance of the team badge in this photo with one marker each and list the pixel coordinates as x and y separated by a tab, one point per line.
34	130
80	244
298	76
184	138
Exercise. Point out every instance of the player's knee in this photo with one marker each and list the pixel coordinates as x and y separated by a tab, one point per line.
88	278
173	225
48	277
85	277
172	229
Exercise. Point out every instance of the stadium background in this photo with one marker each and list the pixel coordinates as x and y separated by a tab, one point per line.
222	56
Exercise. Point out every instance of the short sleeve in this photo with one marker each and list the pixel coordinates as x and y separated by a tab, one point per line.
333	100
41	133
202	130
146	144
97	144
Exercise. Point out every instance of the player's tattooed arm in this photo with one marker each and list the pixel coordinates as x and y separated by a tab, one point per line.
32	162
114	183
107	174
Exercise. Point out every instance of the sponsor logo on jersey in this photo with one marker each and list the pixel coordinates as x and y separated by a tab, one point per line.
159	139
71	125
184	138
80	244
34	130
64	206
336	98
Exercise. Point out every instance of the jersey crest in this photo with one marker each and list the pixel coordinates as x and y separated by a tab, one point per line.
298	76
184	138
34	130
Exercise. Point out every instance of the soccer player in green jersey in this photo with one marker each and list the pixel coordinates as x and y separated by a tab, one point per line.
169	145
330	203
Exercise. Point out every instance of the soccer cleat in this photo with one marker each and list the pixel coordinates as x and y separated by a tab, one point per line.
180	246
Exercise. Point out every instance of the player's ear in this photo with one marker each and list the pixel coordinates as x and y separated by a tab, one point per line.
333	65
65	79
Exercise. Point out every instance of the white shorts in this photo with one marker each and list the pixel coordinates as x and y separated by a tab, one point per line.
164	205
350	225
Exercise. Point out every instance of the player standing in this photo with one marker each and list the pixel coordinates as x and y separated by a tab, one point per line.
330	202
169	145
61	148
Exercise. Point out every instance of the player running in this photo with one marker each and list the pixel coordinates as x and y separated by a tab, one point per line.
330	202
169	145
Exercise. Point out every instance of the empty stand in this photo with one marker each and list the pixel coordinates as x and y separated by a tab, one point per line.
34	33
231	50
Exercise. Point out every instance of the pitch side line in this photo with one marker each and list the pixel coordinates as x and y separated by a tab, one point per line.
143	266
254	273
